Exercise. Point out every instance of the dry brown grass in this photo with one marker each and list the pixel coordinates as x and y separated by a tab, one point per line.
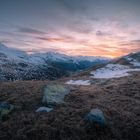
119	99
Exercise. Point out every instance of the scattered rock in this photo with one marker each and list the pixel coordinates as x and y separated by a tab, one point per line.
96	116
44	109
5	109
54	94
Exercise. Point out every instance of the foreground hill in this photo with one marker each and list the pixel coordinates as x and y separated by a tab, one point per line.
118	98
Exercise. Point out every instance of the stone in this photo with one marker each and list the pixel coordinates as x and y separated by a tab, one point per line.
44	109
54	94
96	116
5	109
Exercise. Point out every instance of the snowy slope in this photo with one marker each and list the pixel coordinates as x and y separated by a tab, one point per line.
12	53
134	59
119	68
37	58
113	71
17	65
53	56
78	82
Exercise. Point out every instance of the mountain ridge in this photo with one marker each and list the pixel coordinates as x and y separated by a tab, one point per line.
18	65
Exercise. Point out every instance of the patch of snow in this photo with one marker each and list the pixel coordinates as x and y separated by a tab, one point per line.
135	63
112	71
78	82
44	109
128	58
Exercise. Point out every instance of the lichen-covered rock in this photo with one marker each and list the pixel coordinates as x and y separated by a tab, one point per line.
44	109
96	116
54	94
5	109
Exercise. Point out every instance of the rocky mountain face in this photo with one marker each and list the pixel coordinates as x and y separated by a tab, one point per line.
18	65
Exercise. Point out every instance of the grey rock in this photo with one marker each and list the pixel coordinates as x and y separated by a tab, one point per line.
54	94
5	109
96	116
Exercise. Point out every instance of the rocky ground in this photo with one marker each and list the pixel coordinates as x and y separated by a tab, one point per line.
119	99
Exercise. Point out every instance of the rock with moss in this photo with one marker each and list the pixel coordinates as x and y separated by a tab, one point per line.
96	116
54	94
5	109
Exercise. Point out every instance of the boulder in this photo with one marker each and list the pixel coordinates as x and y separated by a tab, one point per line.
5	109
96	116
54	94
44	109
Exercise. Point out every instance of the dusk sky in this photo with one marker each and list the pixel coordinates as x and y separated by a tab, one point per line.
108	28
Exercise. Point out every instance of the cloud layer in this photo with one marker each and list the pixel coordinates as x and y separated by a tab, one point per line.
75	27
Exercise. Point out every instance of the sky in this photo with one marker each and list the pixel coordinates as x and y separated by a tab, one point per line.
109	28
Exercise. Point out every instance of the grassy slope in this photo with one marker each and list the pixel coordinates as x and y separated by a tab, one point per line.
118	98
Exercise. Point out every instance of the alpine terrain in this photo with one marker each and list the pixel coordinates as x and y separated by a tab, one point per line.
101	102
18	65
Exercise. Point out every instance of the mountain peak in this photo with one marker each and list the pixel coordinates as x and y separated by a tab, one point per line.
12	52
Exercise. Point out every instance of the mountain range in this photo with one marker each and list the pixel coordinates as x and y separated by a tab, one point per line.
18	65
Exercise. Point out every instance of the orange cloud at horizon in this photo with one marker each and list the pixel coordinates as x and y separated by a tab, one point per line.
96	53
86	49
109	48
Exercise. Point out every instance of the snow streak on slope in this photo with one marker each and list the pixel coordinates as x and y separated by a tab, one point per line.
113	71
78	82
134	62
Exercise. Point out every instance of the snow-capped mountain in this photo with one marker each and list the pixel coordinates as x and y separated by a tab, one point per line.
53	56
18	65
11	52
